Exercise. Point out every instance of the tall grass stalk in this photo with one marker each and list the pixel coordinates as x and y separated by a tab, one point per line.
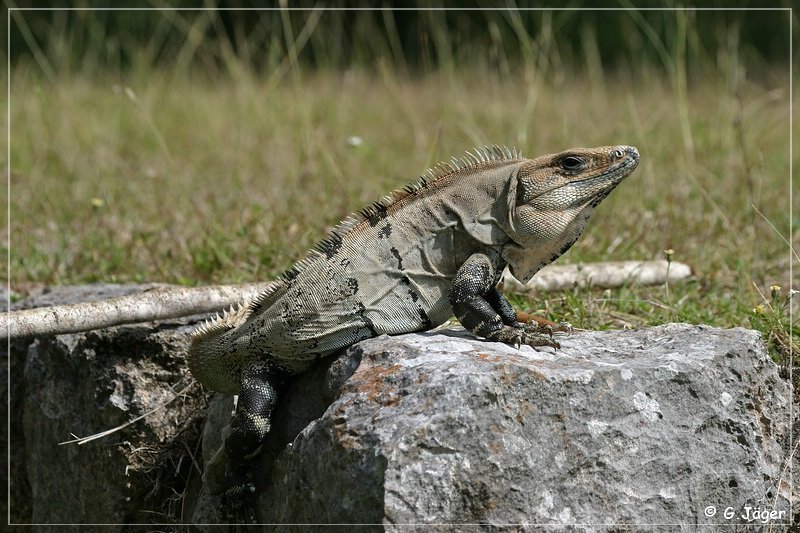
219	150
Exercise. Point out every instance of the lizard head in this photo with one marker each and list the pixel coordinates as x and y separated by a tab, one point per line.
551	198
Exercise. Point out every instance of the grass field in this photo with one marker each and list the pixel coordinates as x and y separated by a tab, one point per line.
197	178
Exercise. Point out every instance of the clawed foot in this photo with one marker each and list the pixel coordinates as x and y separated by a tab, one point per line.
545	328
517	336
238	500
534	333
238	504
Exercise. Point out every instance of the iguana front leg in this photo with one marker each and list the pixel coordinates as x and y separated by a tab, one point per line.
258	397
542	325
481	308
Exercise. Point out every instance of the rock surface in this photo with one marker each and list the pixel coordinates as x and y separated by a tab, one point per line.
617	430
82	384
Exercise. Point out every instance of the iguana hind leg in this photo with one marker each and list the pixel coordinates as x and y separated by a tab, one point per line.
250	424
481	308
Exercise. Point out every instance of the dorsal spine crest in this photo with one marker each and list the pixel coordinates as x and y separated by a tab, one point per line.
221	322
378	209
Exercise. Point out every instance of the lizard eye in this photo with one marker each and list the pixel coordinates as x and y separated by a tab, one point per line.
572	163
617	154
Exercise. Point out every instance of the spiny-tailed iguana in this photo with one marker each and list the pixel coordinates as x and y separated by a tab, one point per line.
408	262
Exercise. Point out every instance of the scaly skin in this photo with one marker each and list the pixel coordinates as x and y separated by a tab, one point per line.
407	263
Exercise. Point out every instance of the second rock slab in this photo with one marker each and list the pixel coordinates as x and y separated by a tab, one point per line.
628	427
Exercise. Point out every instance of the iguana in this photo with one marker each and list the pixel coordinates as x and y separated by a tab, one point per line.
406	263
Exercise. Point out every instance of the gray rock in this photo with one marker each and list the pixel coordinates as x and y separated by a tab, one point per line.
616	430
82	384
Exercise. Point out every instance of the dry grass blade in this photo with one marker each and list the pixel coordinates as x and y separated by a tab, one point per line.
84	440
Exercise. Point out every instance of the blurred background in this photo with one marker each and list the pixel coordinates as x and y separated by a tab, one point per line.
209	145
578	38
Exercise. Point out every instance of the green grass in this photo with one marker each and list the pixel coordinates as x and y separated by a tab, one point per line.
229	176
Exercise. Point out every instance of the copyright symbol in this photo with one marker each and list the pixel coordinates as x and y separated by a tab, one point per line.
710	511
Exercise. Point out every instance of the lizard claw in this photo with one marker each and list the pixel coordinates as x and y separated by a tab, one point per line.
237	503
549	329
517	336
238	498
565	327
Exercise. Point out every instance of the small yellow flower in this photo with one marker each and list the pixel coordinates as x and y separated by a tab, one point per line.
669	252
759	309
97	203
774	290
